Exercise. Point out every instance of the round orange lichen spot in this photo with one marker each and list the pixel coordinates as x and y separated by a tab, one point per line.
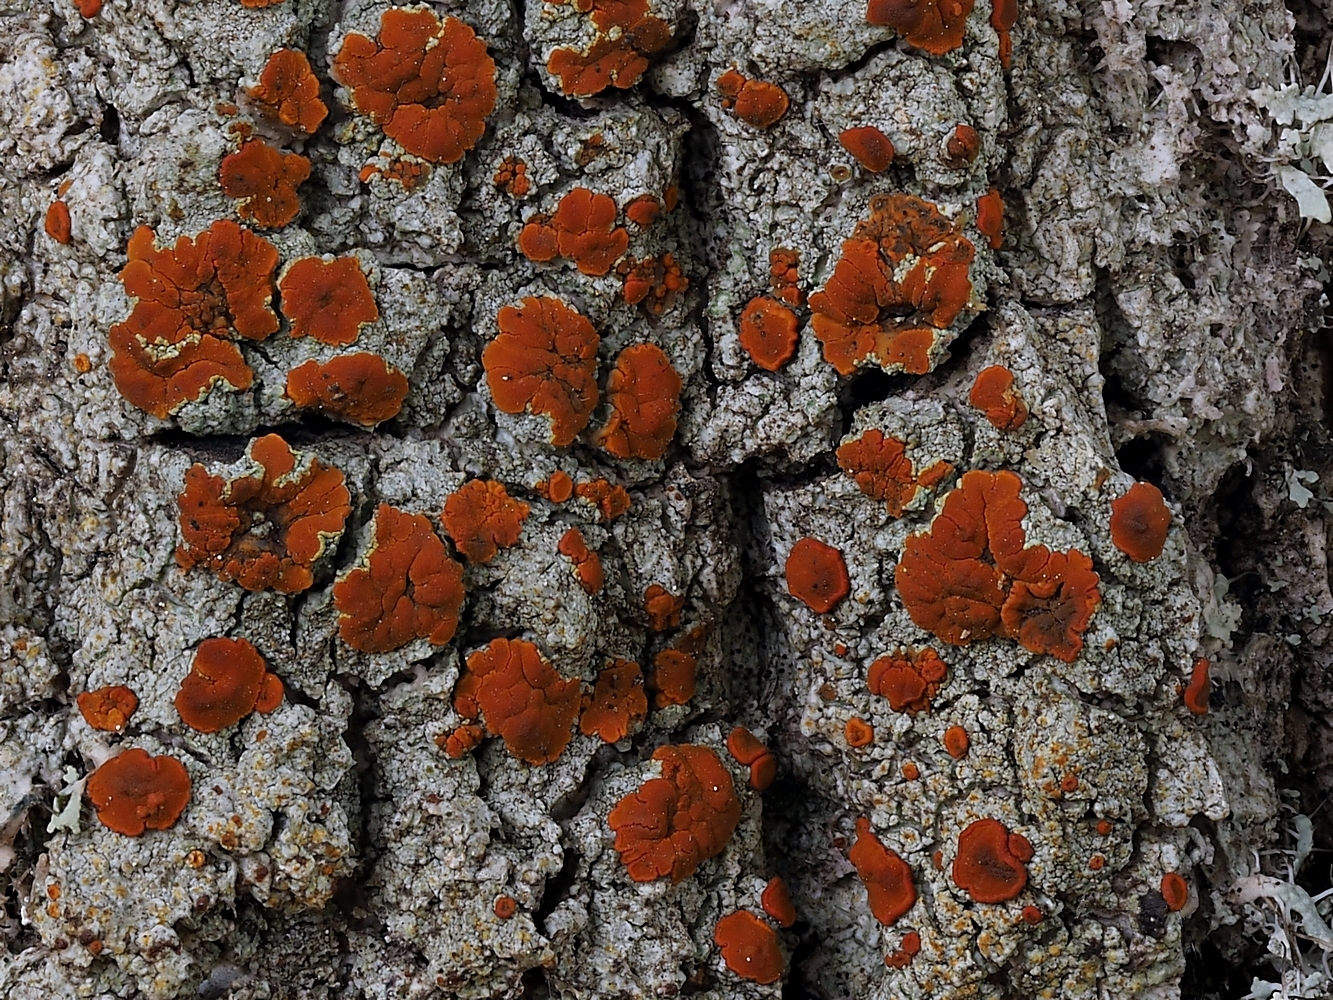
134	792
993	393
1139	522
962	147
583	230
1199	688
911	772
1104	827
270	697
956	742
481	517
288	92
749	947
618	703
506	907
611	500
768	332
1049	612
461	740
1175	891
57	223
871	147
887	877
763	772
881	469
520	698
560	487
429	85
544	361
858	733
512	177
673	679
263	180
587	564
672	824
265	529
1097	862
618	56
1032	915
935	26
226	679
644	393
329	300
643	210
990	218
760	103
662	607
776	901
89	8
108	708
407	587
1069	783
909	681
360	388
989	866
817	575
744	746
907	950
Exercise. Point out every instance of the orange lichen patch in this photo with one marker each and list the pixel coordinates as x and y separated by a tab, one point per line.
993	393
611	500
108	708
858	732
910	771
408	587
817	575
263	180
887	877
89	8
360	388
956	742
776	901
643	210
544	361
871	147
662	607
1199	688
618	703
57	222
902	276
1175	891
990	218
82	363
990	862
755	102
215	285
271	692
481	517
429	85
949	588
763	771
461	740
909	681
506	907
1032	915
673	678
226	679
266	529
1069	783
882	470
587	564
652	282
406	171
557	489
288	92
583	229
512	177
134	792
618	56
520	698
328	300
672	824
1139	522
935	26
749	947
908	949
783	277
1097	862
644	393
744	746
962	147
1104	827
1003	17
768	332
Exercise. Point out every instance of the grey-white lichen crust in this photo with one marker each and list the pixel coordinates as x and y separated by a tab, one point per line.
332	848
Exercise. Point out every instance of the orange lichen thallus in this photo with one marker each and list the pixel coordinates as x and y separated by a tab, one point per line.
1175	890
1043	599
653	283
583	229
587	564
755	102
908	949
935	26
768	332
672	824
191	300
990	865
871	147
108	708
429	85
1199	688
993	393
360	388
887	877
267	528
776	901
511	177
909	681
263	180
858	732
544	361
784	276
672	681
957	742
749	947
662	607
643	210
746	749
134	792
329	300
481	517
1139	522
57	222
610	499
407	587
626	36
520	698
644	393
288	92
228	680
618	703
817	575
1003	17
962	146
990	218
902	278
882	470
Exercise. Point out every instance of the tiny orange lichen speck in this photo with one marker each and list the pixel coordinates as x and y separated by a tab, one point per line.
817	575
611	500
962	146
587	564
776	901
990	218
673	677
858	733
1175	890
481	517
559	487
768	332
288	91
1139	522
226	681
57	222
1198	688
328	300
662	607
644	393
783	276
108	708
505	907
956	742
618	703
652	283
749	947
643	210
134	792
263	180
887	877
871	147
512	177
993	393
360	388
520	698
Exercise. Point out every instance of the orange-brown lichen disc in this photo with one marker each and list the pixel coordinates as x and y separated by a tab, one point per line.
744	746
909	682
956	742
962	147
993	393
673	679
729	84
881	469
1069	783
618	56
1139	522
583	229
407	588
360	388
544	361
587	564
520	698
1175	891
1032	915
987	867
761	103
1104	827
935	26
763	771
643	210
481	517
858	732
749	947
910	771
271	692
108	708
134	792
57	222
887	877
1049	611
328	300
644	393
461	740
263	180
768	332
817	575
611	500
560	487
990	218
871	147
288	91
1199	688
776	901
89	8
1003	17
223	685
662	607
618	703
505	907
1097	862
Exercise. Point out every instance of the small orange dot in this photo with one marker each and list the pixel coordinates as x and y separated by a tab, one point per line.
827	692
1104	827
196	859
859	733
1069	783
956	742
505	907
1096	862
82	364
95	946
937	859
53	891
839	649
1032	914
911	772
